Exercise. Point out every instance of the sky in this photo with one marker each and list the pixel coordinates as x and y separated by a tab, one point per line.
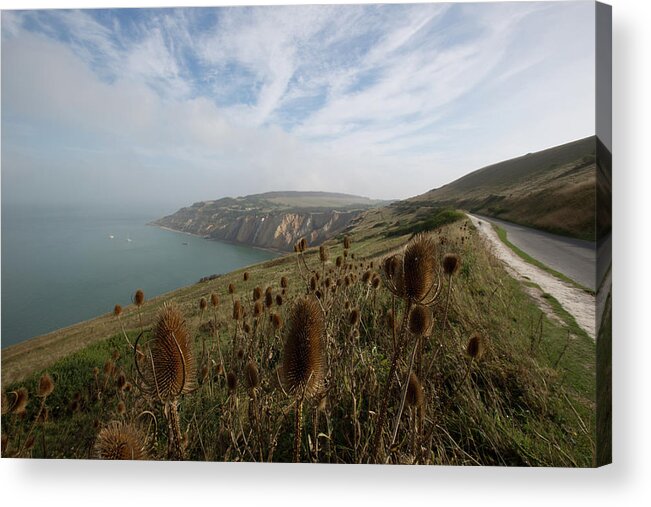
173	106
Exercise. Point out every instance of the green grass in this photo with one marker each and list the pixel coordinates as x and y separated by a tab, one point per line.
529	402
502	234
433	219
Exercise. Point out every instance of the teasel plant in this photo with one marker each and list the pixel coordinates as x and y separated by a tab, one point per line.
303	367
120	440
138	300
168	371
413	277
451	264
45	389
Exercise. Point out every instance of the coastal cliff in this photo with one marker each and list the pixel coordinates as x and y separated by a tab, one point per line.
275	220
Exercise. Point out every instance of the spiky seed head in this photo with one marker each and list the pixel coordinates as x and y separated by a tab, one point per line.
366	277
279	300
214	299
45	385
172	369
415	393
375	283
122	408
231	381
269	299
476	346
251	375
238	312
345	254
139	298
117	310
108	367
245	277
392	269
323	253
276	321
318	294
247	328
346	242
21	398
203	304
302	365
121	381
284	283
451	263
119	440
257	309
231	288
257	294
420	320
419	267
354	317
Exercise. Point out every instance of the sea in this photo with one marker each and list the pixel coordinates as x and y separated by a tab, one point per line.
66	264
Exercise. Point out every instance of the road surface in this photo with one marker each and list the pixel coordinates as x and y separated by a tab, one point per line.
575	258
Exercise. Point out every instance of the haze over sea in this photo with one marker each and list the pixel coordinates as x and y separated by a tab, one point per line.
61	266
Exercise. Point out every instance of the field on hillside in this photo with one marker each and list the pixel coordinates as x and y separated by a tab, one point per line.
552	190
403	341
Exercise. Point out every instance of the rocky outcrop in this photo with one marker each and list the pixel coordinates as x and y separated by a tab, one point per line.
255	222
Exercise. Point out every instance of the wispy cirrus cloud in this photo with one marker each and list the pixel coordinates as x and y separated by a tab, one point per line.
211	102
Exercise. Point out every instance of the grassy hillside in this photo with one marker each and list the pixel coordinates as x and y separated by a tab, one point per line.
522	394
552	190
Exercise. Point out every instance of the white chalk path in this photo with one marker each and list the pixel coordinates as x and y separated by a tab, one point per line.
576	302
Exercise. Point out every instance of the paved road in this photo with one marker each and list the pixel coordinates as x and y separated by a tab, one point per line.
575	258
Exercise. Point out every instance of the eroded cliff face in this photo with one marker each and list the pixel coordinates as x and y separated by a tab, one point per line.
277	229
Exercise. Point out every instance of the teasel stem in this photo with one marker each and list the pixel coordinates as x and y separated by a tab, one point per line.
387	387
447	304
402	401
298	425
175	450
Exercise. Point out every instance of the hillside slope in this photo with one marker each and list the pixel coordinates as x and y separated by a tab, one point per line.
552	190
271	220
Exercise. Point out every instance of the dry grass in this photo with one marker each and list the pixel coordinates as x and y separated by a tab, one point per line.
522	396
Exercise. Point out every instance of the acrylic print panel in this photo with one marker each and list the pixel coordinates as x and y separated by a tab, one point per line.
319	234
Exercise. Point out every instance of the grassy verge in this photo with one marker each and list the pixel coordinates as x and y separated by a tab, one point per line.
501	233
527	401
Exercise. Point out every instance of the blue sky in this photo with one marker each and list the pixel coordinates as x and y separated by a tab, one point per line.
178	105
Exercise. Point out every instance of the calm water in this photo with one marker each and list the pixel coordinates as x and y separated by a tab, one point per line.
60	266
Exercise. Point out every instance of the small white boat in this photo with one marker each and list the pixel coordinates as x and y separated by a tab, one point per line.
129	240
111	236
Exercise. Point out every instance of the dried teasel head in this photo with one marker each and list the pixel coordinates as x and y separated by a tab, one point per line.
123	441
323	253
419	269
415	393
231	288
257	294
353	318
20	401
276	321
231	382
268	299
302	363
45	385
245	276
451	263
257	309
169	367
279	300
214	299
420	320
251	376
346	242
122	408
203	304
339	261
476	347
284	283
238	311
139	298
117	310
